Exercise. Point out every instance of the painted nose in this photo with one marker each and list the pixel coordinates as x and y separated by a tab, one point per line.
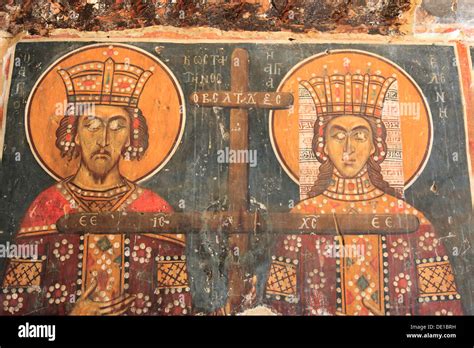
103	141
348	148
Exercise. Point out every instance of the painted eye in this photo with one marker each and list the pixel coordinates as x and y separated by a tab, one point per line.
116	125
340	136
360	136
93	124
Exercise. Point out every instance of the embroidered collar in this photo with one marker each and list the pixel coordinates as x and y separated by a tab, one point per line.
110	193
98	201
352	189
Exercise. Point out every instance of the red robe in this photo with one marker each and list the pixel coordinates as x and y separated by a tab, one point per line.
406	274
152	267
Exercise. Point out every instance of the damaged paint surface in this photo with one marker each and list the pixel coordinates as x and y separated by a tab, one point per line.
164	238
39	17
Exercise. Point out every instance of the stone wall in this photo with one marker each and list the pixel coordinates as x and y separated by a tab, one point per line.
369	16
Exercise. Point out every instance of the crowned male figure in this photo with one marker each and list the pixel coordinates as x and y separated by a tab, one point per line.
98	274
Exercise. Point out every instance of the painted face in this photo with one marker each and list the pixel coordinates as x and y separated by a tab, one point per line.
348	144
102	137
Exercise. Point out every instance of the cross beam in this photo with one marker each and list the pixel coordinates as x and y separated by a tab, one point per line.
236	223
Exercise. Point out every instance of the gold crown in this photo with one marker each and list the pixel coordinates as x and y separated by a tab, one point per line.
105	83
349	94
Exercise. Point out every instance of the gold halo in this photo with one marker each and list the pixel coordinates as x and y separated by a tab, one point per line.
417	138
161	102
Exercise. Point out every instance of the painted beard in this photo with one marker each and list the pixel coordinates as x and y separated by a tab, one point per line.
99	164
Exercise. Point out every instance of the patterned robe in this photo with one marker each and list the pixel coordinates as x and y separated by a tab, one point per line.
406	274
152	267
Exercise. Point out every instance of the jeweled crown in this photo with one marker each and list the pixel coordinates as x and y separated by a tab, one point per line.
348	93
105	83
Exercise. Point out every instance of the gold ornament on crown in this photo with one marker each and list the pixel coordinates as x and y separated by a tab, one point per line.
105	82
356	94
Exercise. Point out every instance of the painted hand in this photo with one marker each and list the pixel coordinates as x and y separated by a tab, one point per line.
372	307
85	306
250	298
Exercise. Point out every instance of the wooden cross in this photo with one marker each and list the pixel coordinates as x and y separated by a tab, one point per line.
239	99
238	222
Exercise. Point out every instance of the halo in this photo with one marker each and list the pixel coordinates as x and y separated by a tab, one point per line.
161	102
416	128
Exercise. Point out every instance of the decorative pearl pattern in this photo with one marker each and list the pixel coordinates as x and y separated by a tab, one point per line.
63	250
399	249
428	241
316	279
141	253
348	94
105	82
402	283
13	301
56	294
443	312
356	189
141	305
292	243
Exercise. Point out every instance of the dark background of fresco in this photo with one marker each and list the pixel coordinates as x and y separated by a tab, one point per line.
194	175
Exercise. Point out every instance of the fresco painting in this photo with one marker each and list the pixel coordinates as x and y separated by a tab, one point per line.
199	178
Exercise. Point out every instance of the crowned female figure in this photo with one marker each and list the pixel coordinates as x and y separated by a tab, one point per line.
386	274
